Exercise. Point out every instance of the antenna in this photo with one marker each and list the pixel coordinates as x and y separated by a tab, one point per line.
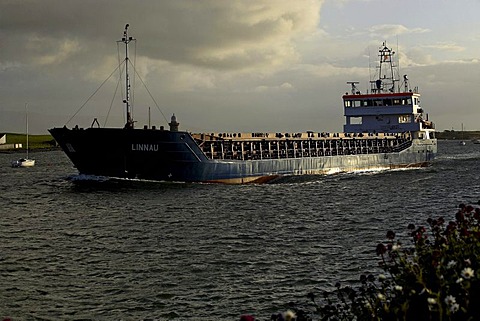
369	65
128	108
385	81
354	87
405	81
398	65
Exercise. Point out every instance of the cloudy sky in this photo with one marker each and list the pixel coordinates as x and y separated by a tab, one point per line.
259	65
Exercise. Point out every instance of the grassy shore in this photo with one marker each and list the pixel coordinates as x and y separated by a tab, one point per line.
34	141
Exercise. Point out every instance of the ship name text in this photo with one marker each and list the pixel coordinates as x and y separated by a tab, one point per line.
145	147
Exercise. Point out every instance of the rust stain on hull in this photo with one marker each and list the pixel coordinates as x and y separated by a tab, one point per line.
246	180
270	178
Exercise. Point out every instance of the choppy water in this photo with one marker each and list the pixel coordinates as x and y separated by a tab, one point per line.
144	250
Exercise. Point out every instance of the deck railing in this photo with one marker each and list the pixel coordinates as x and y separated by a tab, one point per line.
300	148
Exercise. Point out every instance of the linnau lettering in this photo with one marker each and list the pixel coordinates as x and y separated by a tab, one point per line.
145	147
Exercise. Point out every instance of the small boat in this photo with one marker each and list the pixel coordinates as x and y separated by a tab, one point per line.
24	162
462	142
476	141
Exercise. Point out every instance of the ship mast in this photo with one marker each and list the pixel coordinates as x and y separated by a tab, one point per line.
126	40
386	80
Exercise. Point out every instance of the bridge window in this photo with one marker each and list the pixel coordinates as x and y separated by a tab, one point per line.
354	103
355	120
404	119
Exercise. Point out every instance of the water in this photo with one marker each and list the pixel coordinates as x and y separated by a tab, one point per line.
169	251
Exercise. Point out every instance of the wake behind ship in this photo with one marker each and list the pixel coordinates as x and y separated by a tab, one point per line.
385	128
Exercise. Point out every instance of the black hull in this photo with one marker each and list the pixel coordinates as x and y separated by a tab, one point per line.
175	156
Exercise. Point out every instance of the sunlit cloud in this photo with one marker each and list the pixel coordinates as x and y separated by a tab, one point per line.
50	51
446	46
391	30
245	35
283	87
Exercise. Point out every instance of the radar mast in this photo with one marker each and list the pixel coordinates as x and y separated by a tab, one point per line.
128	108
386	80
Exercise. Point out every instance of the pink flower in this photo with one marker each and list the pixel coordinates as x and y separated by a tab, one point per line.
381	249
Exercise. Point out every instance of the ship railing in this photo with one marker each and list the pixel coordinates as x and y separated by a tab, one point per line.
301	148
402	146
200	137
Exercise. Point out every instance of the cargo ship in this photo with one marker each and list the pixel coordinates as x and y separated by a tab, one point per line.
385	128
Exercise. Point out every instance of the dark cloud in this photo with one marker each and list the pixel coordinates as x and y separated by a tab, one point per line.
226	65
56	52
215	34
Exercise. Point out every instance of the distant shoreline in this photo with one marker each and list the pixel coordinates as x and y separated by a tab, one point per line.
31	150
35	143
457	135
42	143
